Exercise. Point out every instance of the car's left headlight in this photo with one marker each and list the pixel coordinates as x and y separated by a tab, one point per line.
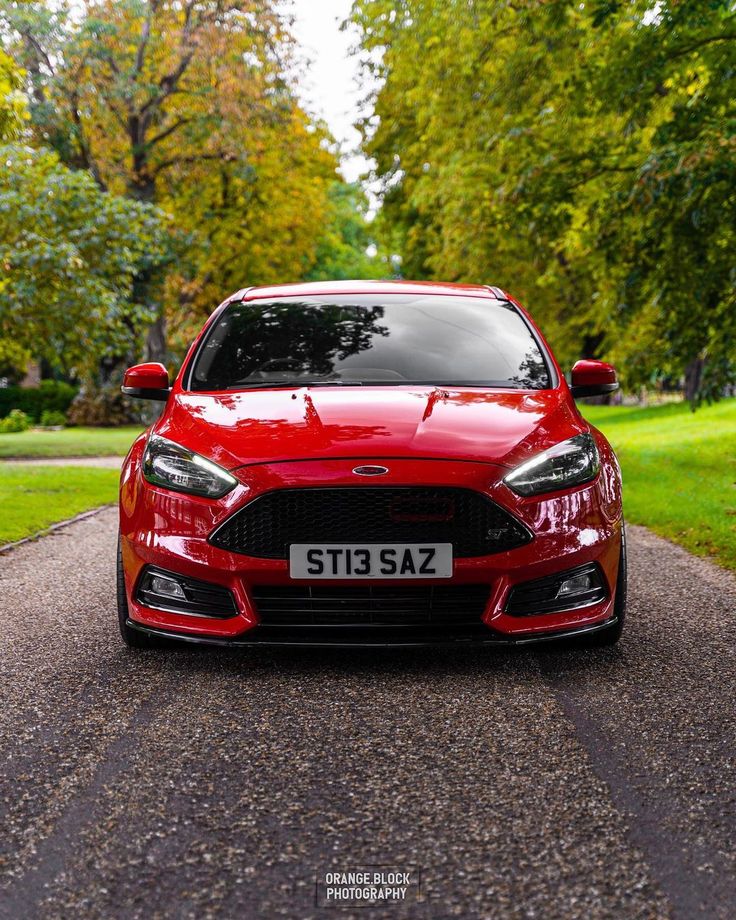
172	466
569	463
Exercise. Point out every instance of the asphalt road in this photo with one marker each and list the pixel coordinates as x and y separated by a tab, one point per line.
523	783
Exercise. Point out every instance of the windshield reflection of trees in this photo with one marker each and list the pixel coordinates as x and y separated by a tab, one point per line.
533	373
291	338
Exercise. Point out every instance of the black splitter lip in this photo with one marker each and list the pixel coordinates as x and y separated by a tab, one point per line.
494	639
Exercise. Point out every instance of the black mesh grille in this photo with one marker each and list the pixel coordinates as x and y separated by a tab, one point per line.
471	522
369	605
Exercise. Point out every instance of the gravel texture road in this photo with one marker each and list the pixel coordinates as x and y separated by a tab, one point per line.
190	783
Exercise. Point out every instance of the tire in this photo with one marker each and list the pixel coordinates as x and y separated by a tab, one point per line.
611	634
131	637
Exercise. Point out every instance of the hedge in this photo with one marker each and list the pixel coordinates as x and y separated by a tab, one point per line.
50	395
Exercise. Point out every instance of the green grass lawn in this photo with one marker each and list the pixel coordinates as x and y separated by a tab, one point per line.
679	471
33	497
70	442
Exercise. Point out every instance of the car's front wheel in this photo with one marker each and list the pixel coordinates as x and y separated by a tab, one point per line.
131	637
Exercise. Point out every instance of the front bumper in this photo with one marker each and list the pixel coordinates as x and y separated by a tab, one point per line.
170	530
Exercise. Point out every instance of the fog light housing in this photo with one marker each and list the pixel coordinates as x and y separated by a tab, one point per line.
165	586
582	586
172	593
578	584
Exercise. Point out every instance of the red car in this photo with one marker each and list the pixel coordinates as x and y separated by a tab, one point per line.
370	463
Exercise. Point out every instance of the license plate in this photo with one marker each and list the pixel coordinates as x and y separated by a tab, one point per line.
372	560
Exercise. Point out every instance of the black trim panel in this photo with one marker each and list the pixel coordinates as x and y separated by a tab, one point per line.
598	389
145	393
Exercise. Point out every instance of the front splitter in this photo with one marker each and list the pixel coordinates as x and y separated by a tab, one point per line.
258	638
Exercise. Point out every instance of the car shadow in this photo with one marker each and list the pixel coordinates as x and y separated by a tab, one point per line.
553	660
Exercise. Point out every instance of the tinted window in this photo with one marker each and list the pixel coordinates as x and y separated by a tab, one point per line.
394	339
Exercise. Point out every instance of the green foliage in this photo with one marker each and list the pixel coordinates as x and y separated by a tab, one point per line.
190	106
51	418
580	155
50	395
342	250
15	422
70	254
12	101
14	360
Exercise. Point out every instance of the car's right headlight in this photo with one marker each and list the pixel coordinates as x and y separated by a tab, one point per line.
569	463
172	466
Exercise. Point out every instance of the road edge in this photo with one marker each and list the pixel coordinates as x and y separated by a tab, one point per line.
7	547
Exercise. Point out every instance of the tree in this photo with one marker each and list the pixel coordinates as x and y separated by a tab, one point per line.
342	252
670	231
254	222
186	105
13	357
578	154
70	254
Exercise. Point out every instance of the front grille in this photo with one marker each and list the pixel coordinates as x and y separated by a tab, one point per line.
474	524
370	605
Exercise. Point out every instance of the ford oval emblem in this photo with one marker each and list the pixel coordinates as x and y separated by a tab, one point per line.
370	470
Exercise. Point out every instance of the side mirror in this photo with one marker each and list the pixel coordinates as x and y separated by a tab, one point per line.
592	378
147	381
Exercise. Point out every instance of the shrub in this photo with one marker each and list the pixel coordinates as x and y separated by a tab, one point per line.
15	422
52	418
49	395
101	408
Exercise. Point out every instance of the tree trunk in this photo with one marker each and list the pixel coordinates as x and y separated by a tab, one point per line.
156	340
142	187
693	378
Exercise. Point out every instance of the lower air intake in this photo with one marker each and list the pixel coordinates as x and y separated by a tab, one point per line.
552	594
371	605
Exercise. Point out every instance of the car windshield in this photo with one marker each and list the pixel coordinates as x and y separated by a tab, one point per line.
354	340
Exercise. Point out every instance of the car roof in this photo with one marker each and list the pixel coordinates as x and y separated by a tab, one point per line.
320	288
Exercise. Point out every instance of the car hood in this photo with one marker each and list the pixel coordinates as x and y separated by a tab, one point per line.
267	426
